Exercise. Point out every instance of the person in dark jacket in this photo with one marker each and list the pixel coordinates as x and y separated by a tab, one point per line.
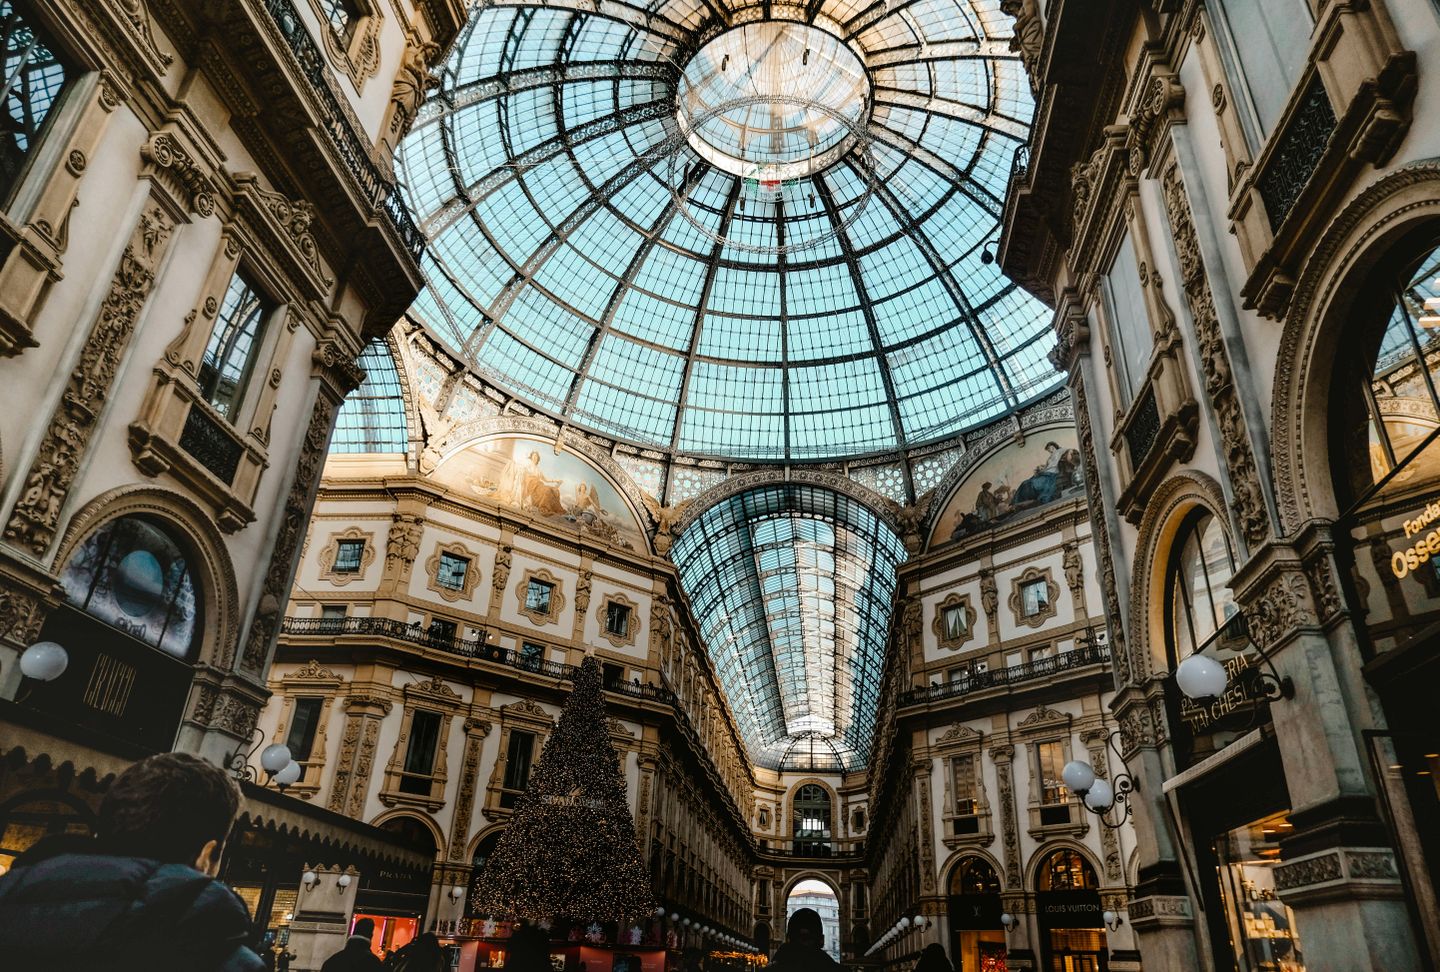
424	954
932	959
356	955
804	948
141	894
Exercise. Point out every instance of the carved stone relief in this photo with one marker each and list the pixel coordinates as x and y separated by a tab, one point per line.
36	516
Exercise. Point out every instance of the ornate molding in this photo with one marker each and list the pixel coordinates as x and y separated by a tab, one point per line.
466	590
632	627
182	176
332	551
1248	494
285	552
557	597
36	515
1016	601
945	634
312	671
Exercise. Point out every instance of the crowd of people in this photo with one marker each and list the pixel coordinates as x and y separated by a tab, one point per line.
141	895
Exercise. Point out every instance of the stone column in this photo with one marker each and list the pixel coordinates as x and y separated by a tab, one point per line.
1339	873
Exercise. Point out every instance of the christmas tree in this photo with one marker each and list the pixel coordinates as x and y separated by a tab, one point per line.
570	850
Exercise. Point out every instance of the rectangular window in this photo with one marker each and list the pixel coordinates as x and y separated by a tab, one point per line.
303	726
617	619
1051	758
342	14
1034	597
420	752
537	596
442	631
35	77
518	758
1268	44
612	675
1130	332
451	572
332	617
531	655
966	798
348	556
956	623
958	674
234	345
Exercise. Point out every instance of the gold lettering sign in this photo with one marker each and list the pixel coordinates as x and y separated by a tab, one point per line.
109	688
1402	562
1198	718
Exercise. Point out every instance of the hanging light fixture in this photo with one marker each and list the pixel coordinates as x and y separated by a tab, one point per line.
1097	794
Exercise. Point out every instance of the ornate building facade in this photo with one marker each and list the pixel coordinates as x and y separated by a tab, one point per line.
1232	207
199	233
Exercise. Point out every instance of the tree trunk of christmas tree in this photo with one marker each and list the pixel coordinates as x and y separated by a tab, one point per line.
570	850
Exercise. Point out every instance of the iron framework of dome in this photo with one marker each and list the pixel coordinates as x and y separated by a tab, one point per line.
730	229
793	587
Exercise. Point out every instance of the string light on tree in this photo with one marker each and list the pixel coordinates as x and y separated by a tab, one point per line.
570	849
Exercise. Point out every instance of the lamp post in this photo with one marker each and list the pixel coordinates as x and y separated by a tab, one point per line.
275	760
1097	794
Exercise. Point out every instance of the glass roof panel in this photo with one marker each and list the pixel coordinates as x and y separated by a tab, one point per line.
784	207
793	586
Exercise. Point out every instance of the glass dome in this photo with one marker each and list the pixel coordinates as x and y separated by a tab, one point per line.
730	229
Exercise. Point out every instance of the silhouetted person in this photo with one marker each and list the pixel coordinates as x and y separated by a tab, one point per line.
804	948
141	894
932	959
424	954
529	950
356	955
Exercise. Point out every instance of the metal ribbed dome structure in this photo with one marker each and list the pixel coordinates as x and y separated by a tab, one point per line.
717	228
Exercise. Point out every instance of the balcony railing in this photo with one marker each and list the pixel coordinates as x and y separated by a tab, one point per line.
475	648
1079	657
342	125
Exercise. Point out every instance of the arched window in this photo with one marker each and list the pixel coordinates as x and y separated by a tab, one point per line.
813	816
133	575
1067	870
36	76
974	875
1198	601
483	852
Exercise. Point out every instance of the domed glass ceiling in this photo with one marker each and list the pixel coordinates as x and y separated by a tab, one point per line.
716	227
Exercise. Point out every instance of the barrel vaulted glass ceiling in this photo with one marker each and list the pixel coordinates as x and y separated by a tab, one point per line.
732	228
794	587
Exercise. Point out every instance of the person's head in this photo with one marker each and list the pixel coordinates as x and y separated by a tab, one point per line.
1052	447
364	928
173	808
805	928
933	959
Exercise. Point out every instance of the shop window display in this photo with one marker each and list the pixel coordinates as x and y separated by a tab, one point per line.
1261	925
977	936
1068	913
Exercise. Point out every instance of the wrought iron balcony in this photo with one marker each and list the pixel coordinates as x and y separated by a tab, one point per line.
1081	656
478	649
343	127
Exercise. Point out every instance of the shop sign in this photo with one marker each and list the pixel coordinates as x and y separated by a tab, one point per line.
1068	909
975	911
1419	551
1242	695
388	877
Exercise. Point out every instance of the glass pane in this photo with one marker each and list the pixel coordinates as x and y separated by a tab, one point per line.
537	596
451	572
1261	925
230	353
34	78
303	725
348	555
1052	759
424	735
518	758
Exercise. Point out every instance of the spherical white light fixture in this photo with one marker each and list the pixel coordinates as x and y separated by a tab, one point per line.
659	910
290	774
274	758
685	922
919	922
44	661
309	879
1101	796
343	880
1078	776
456	893
674	916
1008	920
1201	677
903	924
